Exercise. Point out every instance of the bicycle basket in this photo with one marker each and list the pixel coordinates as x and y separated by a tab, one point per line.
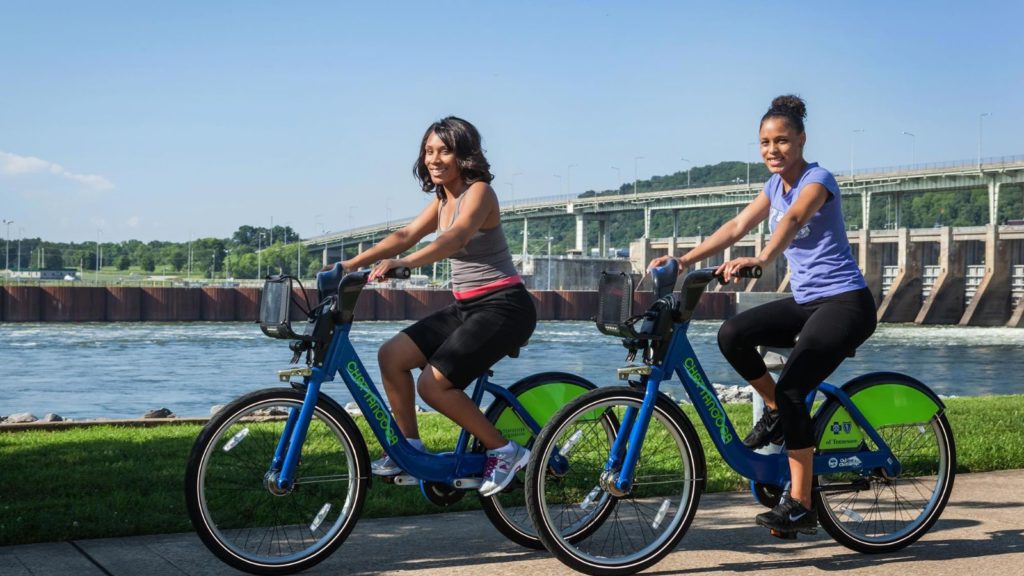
275	308
615	305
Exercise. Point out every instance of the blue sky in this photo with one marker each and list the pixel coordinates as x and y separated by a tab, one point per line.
170	120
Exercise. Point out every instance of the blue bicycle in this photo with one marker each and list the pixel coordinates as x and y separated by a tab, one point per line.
277	479
884	462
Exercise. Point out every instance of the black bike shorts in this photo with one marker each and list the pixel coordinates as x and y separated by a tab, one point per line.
469	336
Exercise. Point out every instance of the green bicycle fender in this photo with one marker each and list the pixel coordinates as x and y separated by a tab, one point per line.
882	405
541	402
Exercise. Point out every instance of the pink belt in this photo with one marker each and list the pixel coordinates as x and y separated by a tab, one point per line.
487	288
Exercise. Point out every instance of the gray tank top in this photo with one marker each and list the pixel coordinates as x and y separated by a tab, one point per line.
485	258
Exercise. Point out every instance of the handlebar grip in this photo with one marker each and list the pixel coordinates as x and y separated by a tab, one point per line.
400	273
745	272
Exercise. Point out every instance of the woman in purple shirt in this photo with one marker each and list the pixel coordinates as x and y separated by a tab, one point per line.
832	311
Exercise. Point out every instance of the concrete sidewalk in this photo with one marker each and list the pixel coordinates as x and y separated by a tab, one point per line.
981	532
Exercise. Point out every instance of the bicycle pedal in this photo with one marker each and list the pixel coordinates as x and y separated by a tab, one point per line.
782	535
400	479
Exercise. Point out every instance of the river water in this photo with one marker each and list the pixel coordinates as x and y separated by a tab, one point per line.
121	370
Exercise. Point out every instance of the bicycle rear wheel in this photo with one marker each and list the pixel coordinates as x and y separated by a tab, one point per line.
541	395
648	520
234	504
866	510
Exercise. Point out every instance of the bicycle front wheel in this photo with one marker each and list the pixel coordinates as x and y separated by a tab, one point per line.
231	493
648	520
541	395
869	511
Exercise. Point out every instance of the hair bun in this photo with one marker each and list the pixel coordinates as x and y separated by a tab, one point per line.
792	104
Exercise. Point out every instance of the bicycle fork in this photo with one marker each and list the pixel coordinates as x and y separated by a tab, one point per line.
280	476
617	478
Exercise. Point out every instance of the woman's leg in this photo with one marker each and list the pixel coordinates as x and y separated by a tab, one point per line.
453	402
773	324
837	325
396	358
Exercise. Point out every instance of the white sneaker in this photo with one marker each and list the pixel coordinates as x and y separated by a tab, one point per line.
385	467
501	468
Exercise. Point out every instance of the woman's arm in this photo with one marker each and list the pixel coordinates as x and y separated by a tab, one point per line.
480	202
812	198
398	241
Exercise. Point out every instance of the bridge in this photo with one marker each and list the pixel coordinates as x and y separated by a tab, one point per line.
942	275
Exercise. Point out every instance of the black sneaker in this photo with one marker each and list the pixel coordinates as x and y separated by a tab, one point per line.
768	429
789	516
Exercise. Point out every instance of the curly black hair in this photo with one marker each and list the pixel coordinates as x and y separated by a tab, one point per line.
463	139
790	107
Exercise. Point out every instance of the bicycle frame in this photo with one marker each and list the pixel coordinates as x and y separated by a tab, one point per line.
341	357
765	468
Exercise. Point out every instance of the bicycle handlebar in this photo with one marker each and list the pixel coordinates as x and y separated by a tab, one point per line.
327	282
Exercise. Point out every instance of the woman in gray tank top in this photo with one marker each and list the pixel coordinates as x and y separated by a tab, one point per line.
492	316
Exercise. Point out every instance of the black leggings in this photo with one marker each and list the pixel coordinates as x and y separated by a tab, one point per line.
830	329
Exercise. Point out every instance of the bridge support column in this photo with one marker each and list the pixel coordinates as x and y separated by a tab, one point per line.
993	202
323	256
581	235
870	260
945	304
602	238
673	242
903	302
526	237
865	210
991	303
365	245
647	222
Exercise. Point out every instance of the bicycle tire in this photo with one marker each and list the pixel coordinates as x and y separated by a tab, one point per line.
670	476
887	514
229	497
507	510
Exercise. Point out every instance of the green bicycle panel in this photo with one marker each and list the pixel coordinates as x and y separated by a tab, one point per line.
882	405
541	401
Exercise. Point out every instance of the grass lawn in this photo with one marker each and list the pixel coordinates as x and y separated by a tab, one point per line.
103	481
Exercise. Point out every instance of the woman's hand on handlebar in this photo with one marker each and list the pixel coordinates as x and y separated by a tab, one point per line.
345	265
729	271
381	268
661	260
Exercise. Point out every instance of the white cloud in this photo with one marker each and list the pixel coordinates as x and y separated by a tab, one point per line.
13	165
133	222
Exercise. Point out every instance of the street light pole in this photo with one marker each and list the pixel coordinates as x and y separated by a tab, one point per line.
99	233
259	255
853	139
980	118
549	262
913	147
636	172
21	233
7	250
687	172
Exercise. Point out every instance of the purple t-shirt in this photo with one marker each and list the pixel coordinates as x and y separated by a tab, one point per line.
820	260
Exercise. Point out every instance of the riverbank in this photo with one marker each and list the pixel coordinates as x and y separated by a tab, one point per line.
106	481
